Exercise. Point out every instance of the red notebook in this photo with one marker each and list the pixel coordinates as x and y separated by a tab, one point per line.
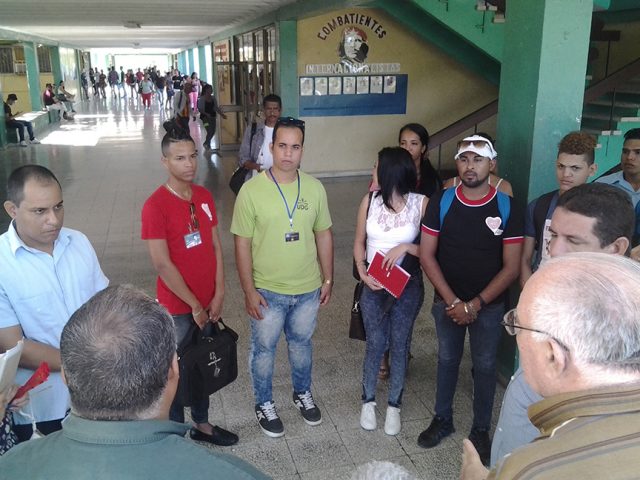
393	281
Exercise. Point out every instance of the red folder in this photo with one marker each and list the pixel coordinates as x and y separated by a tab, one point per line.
393	281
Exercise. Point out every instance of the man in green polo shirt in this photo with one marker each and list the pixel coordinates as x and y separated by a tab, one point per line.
284	256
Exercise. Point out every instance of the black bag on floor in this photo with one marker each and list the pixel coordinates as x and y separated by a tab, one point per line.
207	361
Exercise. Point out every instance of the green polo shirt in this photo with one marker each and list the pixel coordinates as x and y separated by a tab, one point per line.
260	213
123	450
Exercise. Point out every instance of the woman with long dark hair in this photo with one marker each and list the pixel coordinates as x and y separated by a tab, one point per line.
414	138
390	223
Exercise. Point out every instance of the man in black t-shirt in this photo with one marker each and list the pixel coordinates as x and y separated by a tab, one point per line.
470	250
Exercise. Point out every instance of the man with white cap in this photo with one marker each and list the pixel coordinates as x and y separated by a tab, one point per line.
470	250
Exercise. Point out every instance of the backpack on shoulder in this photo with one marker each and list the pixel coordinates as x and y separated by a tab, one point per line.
504	205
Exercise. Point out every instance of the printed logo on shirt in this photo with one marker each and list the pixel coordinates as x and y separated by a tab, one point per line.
206	210
303	204
494	224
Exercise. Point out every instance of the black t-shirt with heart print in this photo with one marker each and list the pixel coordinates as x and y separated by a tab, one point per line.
470	240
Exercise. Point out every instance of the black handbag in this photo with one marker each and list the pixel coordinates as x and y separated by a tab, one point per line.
207	361
356	325
237	179
239	176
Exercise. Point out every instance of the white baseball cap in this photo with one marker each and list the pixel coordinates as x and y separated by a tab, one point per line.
476	144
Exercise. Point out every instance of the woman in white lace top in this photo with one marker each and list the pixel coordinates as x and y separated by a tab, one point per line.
389	224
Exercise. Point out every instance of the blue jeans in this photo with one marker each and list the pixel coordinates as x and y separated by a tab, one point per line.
199	409
389	329
296	315
160	94
21	125
484	335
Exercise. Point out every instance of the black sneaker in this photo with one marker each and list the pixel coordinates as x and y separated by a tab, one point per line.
308	408
269	420
481	440
437	430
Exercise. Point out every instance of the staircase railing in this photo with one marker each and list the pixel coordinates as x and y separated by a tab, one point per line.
472	120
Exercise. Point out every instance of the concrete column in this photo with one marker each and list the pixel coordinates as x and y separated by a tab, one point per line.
541	93
56	65
3	129
190	57
541	89
287	67
181	63
202	63
33	75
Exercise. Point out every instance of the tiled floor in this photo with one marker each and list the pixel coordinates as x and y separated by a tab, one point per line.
108	161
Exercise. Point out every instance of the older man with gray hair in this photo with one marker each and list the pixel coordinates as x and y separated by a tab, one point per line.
578	331
119	360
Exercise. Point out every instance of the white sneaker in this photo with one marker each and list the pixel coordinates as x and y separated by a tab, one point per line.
35	141
368	416
23	143
392	423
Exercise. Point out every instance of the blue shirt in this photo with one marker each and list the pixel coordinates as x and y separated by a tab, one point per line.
39	292
617	180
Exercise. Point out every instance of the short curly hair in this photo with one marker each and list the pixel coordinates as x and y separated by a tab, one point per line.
578	143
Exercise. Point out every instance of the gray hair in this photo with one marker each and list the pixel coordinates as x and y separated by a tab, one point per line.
116	353
376	470
591	303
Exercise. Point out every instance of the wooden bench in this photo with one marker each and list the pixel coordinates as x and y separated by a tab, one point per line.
40	121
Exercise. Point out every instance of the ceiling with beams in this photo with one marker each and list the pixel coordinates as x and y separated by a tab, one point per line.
170	24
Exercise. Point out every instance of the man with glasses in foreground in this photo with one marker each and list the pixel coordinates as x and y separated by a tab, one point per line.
284	256
578	330
180	225
588	218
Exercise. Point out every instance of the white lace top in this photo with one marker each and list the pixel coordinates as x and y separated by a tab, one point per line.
386	229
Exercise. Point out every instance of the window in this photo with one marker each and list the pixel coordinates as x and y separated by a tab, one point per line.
6	60
44	59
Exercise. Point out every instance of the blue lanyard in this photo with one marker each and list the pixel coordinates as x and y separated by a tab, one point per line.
295	205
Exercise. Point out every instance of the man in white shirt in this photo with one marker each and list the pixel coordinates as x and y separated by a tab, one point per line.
46	273
254	151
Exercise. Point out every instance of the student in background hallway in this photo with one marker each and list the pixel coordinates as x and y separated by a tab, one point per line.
146	87
208	108
11	122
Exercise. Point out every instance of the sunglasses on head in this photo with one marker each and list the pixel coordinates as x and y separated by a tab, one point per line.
290	121
476	143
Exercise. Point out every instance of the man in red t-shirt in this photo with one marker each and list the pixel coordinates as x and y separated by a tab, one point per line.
180	226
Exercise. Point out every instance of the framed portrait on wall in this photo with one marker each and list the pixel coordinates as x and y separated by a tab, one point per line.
335	85
306	86
348	85
362	85
321	85
376	84
389	84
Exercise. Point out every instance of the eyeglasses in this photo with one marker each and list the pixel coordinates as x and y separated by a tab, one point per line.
195	225
509	323
290	121
476	143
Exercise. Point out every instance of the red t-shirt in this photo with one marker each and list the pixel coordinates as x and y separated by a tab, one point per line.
166	216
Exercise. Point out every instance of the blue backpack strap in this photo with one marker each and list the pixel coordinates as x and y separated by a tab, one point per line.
445	203
504	206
